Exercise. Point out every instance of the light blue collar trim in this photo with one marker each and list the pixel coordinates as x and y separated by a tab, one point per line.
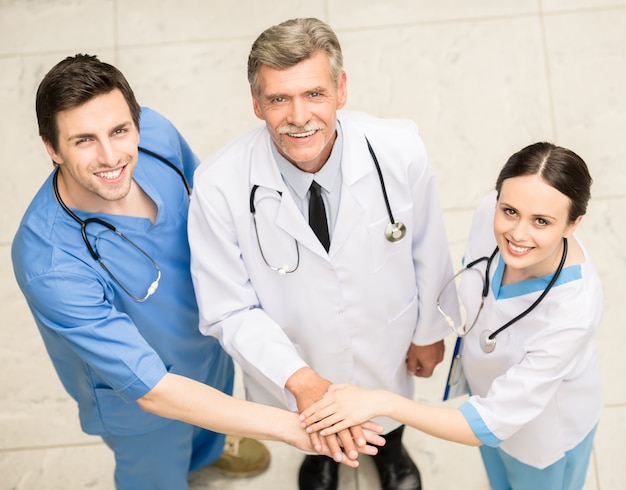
568	274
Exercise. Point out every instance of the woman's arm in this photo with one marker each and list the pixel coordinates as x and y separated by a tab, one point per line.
180	398
347	405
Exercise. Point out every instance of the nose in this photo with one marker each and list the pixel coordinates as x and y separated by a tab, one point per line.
519	231
299	113
106	153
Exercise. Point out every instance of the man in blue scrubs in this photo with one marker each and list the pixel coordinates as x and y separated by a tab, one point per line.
117	312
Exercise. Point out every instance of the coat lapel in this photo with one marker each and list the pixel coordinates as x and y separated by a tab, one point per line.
356	163
264	173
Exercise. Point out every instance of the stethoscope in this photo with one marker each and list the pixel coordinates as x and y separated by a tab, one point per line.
487	339
93	250
394	231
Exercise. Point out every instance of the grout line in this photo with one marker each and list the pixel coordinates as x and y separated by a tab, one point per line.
50	446
549	86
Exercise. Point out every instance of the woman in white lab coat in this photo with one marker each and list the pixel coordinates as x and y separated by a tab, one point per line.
535	385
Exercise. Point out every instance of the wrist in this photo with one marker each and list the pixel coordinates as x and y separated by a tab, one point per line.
301	380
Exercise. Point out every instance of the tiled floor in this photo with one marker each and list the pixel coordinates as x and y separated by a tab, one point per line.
482	78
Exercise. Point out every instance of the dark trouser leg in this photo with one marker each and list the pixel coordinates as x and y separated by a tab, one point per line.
318	473
396	469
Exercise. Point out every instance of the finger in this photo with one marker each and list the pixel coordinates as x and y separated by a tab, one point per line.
357	435
316	441
352	463
375	439
318	406
330	425
424	371
368	450
372	426
335	448
411	366
348	443
314	417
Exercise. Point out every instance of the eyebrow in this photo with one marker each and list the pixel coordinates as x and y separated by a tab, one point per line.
318	89
92	135
505	205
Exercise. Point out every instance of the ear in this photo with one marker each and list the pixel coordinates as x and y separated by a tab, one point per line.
56	158
571	228
256	104
342	90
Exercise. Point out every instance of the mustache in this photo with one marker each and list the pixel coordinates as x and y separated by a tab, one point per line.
290	128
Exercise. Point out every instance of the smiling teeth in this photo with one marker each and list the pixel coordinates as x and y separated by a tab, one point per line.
519	250
113	174
302	135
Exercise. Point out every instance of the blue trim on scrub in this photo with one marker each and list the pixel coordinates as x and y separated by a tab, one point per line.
568	473
568	274
478	426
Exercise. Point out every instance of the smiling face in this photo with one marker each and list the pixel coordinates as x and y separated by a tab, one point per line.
299	105
530	221
97	152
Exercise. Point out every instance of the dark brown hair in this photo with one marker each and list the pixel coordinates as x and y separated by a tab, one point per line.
559	167
72	82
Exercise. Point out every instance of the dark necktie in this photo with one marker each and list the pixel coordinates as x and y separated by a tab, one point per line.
317	215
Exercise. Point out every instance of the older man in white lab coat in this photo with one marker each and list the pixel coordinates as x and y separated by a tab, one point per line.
295	315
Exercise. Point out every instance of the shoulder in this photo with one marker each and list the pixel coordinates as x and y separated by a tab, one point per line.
156	132
150	120
235	155
481	240
371	125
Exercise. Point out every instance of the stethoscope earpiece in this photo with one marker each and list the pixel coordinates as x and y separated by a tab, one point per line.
394	232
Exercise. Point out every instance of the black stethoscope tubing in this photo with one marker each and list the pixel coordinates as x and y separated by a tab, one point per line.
382	181
83	223
488	339
394	232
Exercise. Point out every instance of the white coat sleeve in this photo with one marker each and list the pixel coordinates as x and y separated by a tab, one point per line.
228	305
431	253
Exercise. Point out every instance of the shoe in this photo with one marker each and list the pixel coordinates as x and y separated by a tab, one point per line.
396	469
318	473
242	458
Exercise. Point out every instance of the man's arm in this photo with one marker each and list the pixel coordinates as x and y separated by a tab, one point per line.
180	398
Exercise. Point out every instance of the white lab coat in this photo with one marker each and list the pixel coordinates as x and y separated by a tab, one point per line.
350	314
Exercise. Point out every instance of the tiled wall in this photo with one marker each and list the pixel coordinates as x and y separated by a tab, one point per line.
481	78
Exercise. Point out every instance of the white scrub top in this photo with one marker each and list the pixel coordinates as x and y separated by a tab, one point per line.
538	394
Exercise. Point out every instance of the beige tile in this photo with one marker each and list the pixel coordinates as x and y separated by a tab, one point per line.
24	161
477	90
35	410
610	447
569	5
55	468
202	88
193	20
48	25
587	56
376	13
22	155
603	234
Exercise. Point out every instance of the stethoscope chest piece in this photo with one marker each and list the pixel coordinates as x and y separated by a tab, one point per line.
394	232
487	344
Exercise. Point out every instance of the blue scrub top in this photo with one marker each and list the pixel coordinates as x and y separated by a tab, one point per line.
108	349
